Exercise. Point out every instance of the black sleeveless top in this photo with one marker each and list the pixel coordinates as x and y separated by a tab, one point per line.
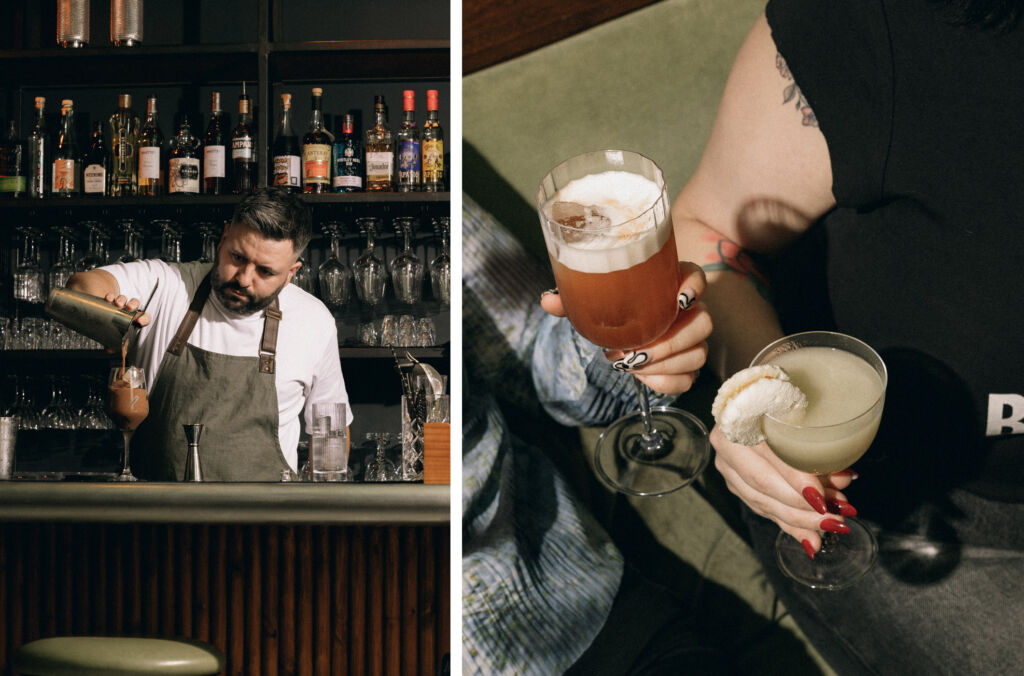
921	257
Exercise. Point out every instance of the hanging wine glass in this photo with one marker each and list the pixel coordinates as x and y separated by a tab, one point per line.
61	271
99	242
29	279
406	267
335	277
305	278
368	270
207	242
132	249
170	240
441	265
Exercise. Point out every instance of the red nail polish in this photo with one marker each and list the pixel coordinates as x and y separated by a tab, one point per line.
841	507
814	499
847	472
834	526
808	548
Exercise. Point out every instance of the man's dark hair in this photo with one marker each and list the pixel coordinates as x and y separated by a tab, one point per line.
1000	15
276	214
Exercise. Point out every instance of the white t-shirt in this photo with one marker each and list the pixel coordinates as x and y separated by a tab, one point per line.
308	368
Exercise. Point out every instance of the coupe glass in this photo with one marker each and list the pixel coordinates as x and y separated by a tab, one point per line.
406	267
618	278
441	265
127	406
368	270
844	380
335	277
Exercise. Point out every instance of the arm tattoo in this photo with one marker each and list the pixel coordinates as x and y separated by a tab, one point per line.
729	256
792	93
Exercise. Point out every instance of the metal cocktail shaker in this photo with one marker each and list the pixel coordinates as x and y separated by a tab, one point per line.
91	316
193	468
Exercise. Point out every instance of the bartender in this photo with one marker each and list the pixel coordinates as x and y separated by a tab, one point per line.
231	344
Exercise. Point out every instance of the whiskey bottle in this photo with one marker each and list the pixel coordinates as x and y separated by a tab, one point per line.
183	162
433	147
347	155
215	151
287	162
13	182
243	148
380	150
67	162
408	142
124	131
316	149
95	164
151	143
39	150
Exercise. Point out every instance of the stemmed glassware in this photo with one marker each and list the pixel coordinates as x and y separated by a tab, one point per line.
99	242
61	271
29	279
93	415
618	277
170	240
441	265
207	242
844	380
335	277
368	270
127	406
379	468
133	244
406	267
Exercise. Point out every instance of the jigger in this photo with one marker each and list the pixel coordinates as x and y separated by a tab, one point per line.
193	468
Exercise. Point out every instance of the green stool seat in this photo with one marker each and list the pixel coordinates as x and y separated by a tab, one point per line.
95	655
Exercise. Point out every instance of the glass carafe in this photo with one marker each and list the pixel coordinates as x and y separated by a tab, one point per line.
406	267
368	270
441	265
335	277
99	243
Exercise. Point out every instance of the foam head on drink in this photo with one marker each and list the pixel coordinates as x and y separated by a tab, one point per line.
614	258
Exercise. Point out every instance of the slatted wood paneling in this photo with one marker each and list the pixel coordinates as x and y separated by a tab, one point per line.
275	599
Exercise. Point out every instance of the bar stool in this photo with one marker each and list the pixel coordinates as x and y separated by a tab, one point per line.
111	655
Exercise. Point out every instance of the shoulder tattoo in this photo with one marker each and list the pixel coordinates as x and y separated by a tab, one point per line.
792	93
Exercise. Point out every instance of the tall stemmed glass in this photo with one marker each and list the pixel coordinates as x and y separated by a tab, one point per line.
335	277
441	265
61	271
608	226
29	278
844	380
133	244
369	270
99	244
406	267
170	240
207	242
127	406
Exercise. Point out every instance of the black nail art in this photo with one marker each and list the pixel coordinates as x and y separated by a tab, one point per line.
686	299
631	361
554	291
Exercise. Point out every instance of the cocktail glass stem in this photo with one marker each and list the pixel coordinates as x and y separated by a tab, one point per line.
126	472
651	444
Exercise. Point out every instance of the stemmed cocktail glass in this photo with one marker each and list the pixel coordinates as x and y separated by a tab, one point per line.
608	226
441	265
844	380
127	406
406	267
369	270
335	277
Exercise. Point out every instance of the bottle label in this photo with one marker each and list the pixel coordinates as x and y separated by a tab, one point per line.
316	163
409	161
94	180
286	170
213	162
149	163
13	184
433	161
348	181
183	175
379	166
64	175
241	148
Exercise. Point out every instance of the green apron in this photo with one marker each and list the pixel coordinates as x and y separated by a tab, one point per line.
235	398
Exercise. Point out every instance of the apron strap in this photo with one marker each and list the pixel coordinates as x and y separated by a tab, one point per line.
268	346
191	317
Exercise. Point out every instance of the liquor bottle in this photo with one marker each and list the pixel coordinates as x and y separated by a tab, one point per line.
151	143
215	151
380	150
433	147
316	149
287	161
13	182
39	154
67	162
124	141
243	148
183	162
408	145
95	164
347	155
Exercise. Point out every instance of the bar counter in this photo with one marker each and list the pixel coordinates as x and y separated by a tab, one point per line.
241	503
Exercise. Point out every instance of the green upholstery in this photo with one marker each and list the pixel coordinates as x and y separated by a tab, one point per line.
649	81
110	656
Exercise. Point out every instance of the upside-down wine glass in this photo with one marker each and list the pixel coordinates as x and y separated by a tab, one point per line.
369	270
406	267
441	265
617	273
335	277
844	380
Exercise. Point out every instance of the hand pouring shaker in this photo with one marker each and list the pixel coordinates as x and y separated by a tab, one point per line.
193	468
94	317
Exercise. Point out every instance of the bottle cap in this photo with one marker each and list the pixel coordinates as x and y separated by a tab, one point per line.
431	99
317	91
347	123
286	101
124	100
40	101
215	102
67	103
408	100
